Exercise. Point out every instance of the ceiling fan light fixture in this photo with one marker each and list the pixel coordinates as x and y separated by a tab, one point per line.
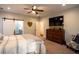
33	12
34	7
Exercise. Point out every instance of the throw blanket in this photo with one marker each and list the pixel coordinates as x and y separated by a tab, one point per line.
22	44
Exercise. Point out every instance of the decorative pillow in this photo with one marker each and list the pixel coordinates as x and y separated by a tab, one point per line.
76	39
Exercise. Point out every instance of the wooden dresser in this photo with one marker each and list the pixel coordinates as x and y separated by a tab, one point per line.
56	35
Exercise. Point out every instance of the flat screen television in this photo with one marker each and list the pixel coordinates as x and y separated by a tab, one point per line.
56	21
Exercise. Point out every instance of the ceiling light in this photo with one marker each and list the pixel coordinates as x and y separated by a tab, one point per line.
63	4
33	12
34	7
8	8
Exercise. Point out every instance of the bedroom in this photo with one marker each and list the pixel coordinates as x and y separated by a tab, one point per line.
36	23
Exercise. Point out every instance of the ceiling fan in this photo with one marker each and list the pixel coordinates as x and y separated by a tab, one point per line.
34	10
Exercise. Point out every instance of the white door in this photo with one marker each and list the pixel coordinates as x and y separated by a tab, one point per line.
8	27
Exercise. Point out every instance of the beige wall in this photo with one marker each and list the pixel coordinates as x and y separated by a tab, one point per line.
71	22
39	27
30	30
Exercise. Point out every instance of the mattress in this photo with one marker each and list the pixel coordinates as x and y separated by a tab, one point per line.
22	44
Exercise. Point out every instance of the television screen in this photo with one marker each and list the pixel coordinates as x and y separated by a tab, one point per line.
56	21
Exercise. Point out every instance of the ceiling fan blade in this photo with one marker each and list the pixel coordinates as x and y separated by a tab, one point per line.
29	12
39	10
27	9
36	12
34	7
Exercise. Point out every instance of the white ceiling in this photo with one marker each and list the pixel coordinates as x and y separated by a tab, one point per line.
48	8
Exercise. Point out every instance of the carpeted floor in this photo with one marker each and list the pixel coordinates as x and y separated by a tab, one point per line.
55	48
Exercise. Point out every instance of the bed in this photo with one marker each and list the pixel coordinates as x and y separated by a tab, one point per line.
22	44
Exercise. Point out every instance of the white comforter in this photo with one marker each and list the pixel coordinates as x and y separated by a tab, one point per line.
22	44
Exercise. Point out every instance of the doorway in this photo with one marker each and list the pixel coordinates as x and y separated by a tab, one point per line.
18	27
